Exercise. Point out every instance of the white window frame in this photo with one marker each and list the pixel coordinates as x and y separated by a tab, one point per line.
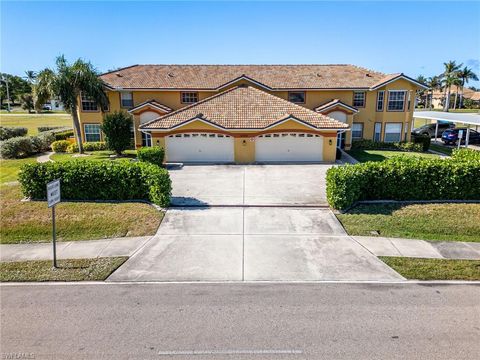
375	132
380	100
126	99
403	100
90	133
89	102
146	140
188	97
364	102
353	131
387	133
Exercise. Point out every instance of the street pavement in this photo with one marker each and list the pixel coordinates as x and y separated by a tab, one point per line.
240	321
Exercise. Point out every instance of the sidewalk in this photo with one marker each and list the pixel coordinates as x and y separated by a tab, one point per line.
382	246
72	249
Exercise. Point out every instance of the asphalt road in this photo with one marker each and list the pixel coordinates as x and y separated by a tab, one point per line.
241	321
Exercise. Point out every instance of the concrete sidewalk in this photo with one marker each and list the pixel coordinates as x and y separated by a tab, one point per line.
382	246
73	249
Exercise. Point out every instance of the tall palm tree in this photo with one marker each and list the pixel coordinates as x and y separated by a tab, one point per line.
450	74
465	75
434	83
421	94
68	82
30	76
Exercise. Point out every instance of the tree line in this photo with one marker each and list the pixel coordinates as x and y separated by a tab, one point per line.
453	75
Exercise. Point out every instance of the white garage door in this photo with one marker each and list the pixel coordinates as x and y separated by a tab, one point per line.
289	147
198	147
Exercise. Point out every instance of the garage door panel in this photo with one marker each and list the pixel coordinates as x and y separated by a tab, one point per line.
289	147
199	147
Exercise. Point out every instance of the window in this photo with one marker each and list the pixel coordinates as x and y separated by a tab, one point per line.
189	97
380	100
126	99
378	132
359	98
393	132
396	100
357	131
88	104
92	132
147	139
297	97
132	135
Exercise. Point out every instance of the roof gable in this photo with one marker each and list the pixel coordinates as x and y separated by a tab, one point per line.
244	107
150	105
335	104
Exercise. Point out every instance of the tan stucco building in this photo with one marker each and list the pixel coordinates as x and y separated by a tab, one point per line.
255	113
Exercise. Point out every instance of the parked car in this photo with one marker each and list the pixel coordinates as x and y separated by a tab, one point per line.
429	129
47	107
450	136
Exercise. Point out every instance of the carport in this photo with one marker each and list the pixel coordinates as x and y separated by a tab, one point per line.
469	119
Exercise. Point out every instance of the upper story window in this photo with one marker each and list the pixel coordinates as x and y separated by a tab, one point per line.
297	97
396	100
359	99
380	100
88	104
126	99
189	97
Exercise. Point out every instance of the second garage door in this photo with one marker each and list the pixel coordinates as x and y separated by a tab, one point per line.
199	148
289	147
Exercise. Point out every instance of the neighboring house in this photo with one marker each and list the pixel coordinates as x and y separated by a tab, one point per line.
437	98
248	113
54	104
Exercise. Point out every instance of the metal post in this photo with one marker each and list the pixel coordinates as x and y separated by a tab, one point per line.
8	92
436	131
467	136
54	238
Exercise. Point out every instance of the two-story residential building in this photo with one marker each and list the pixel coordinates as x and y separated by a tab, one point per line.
255	113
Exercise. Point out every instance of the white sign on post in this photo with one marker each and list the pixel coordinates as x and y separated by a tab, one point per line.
53	192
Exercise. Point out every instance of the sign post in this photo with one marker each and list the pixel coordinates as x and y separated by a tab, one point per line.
53	198
460	136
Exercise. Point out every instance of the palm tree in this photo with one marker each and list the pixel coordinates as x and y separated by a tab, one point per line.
465	75
30	76
450	74
421	94
434	83
68	82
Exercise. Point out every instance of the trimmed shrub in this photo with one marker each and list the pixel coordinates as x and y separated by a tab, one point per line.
154	155
87	146
98	180
63	135
60	146
465	154
11	132
49	128
424	140
117	129
380	145
23	146
403	178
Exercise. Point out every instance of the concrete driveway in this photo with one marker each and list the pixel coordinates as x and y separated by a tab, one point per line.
249	185
252	244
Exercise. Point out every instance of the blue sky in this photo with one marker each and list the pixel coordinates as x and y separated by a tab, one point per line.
385	36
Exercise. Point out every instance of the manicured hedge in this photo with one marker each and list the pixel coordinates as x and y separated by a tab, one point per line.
464	154
24	146
11	132
380	145
98	180
403	178
60	146
152	155
424	140
88	146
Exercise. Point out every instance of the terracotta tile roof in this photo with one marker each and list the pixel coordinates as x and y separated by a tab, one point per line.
244	107
153	103
213	77
333	103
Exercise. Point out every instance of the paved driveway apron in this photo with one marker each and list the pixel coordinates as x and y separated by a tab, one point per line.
245	240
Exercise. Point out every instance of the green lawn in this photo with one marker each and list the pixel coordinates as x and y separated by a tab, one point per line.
461	110
442	222
93	155
434	269
33	121
380	155
9	168
67	270
30	221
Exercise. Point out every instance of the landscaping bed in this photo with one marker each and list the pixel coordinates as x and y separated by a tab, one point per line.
442	222
97	269
434	269
380	155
